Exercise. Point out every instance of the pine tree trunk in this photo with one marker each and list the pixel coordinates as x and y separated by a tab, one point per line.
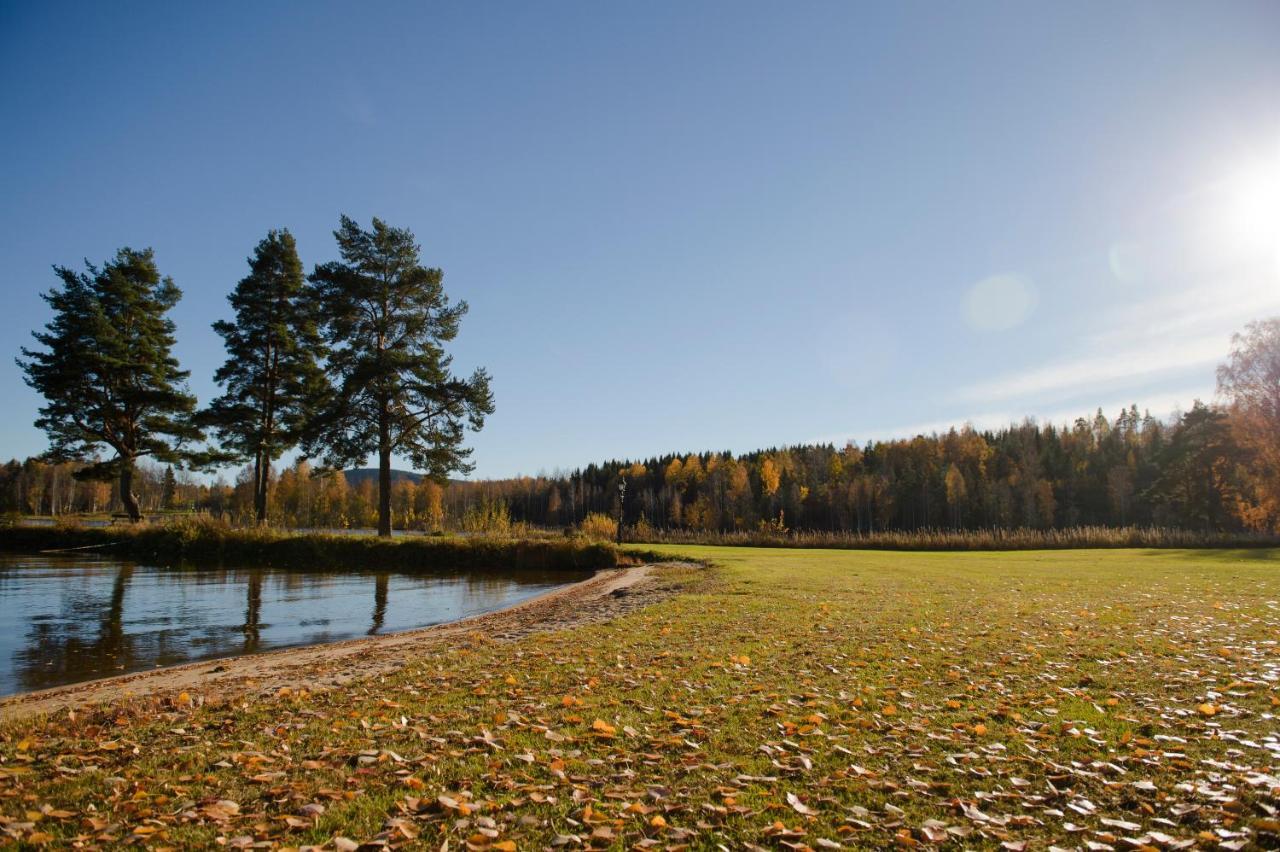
127	498
384	477
261	471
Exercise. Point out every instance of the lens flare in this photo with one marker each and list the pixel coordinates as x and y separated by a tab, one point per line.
1000	302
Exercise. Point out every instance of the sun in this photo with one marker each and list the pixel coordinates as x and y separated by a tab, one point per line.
1249	212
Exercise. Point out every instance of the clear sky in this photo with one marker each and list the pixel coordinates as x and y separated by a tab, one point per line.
684	225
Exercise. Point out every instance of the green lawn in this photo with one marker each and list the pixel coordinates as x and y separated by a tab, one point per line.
787	698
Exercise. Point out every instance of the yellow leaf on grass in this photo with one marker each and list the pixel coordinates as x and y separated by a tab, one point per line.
1207	709
603	727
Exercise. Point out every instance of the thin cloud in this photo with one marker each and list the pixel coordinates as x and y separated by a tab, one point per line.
1195	310
1110	369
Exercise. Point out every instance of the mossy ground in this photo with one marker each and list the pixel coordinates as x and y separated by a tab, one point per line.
786	698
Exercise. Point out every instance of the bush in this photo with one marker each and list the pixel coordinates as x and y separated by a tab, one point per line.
599	527
487	516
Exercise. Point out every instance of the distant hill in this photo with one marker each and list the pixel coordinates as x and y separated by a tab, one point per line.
360	474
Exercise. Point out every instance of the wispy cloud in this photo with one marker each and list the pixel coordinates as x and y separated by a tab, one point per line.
1135	343
1197	310
1107	370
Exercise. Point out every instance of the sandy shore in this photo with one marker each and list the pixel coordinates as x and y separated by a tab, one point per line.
316	667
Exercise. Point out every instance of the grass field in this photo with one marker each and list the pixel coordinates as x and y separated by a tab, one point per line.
789	698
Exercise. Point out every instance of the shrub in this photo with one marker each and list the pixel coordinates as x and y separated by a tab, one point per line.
599	527
487	516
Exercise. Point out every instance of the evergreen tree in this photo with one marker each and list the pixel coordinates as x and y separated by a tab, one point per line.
271	375
387	318
169	490
108	376
1196	485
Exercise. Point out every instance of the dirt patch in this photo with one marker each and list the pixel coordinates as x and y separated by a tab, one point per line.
605	596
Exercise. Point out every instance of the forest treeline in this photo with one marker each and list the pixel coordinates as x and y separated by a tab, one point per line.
1207	469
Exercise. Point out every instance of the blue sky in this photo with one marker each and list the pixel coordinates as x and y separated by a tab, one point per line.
682	226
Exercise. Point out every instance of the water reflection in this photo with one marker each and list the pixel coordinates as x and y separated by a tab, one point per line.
65	619
379	602
253	612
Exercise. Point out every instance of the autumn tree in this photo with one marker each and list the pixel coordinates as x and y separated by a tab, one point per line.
1249	384
428	503
387	319
108	374
957	492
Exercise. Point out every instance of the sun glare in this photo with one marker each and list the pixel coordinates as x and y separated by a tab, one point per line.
1249	215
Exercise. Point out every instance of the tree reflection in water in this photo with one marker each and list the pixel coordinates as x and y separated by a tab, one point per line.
379	602
253	613
63	649
65	619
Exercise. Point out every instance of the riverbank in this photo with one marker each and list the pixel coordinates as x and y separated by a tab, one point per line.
315	668
201	542
782	699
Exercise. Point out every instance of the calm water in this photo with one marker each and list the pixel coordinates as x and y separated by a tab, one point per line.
70	618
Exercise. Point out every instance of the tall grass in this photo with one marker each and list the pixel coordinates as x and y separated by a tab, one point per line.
985	539
203	541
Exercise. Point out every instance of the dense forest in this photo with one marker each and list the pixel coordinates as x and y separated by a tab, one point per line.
1190	472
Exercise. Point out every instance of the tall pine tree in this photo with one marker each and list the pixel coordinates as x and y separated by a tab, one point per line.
271	375
108	374
387	319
